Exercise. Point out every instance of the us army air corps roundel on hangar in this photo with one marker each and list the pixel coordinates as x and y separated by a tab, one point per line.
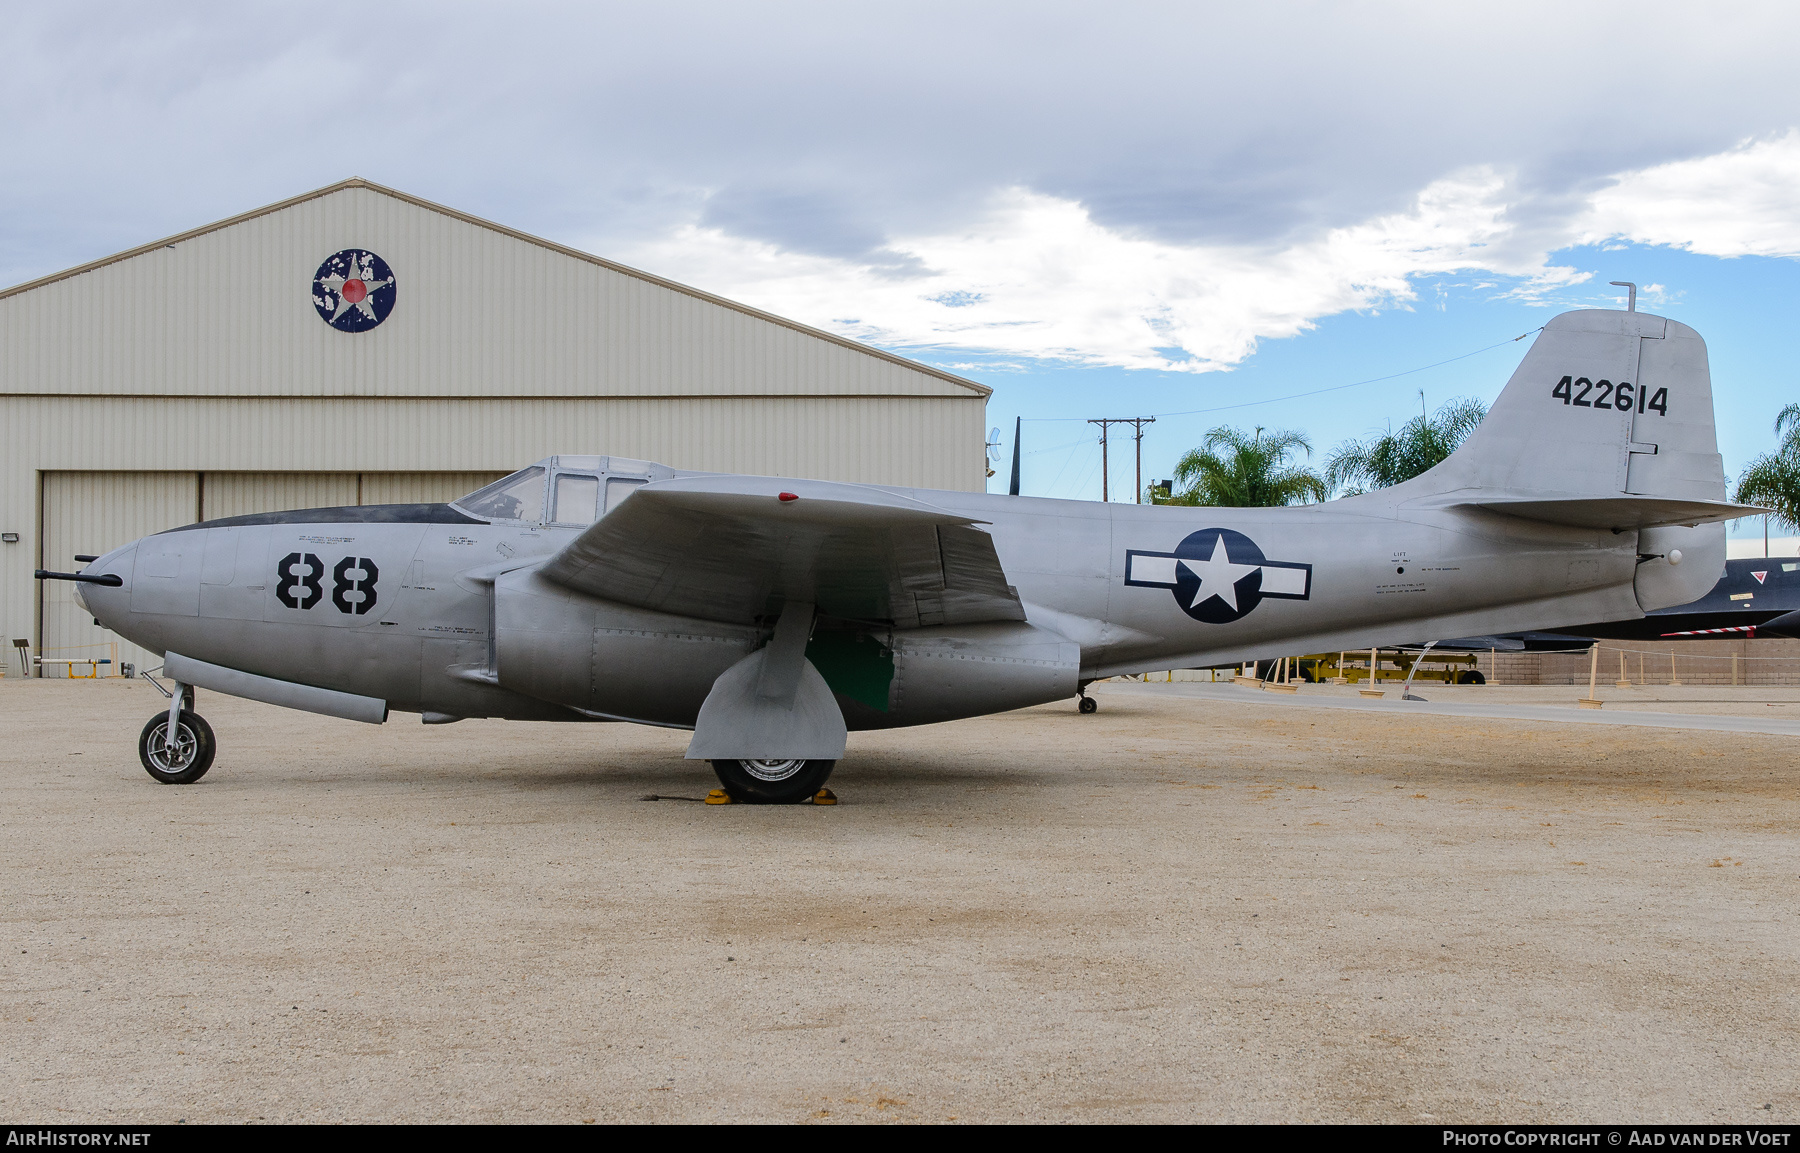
353	290
1218	576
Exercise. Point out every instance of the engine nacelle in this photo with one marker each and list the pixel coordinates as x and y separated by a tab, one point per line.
558	645
944	674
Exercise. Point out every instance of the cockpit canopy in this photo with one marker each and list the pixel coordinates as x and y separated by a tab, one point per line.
562	490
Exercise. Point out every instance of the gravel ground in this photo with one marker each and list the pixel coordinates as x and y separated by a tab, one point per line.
1173	910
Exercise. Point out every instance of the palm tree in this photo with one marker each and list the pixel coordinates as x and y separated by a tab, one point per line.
1231	470
1420	444
1773	480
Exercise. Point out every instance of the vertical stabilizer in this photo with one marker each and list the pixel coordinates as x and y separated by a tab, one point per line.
1607	424
1605	404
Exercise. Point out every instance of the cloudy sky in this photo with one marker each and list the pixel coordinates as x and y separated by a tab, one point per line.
1100	209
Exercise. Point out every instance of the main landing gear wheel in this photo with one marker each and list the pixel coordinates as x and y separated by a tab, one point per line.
187	760
1088	705
788	782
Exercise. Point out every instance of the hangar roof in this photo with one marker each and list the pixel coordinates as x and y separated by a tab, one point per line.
229	316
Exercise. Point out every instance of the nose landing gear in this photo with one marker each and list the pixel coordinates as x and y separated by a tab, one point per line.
187	759
177	746
1086	703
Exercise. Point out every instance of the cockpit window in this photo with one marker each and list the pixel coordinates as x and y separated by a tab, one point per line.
618	488
577	496
517	497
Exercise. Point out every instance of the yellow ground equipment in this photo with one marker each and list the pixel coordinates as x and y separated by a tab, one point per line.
1392	665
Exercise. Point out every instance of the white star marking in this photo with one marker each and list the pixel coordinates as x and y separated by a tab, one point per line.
336	284
1219	576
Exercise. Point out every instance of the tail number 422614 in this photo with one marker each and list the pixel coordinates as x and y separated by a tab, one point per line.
1622	397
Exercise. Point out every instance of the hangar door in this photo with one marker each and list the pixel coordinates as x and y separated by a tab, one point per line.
96	512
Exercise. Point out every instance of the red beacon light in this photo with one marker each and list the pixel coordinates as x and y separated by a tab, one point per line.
787	496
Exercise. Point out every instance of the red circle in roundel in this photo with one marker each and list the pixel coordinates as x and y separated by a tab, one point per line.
354	291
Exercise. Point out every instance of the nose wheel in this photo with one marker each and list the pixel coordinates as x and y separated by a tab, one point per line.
1087	705
183	760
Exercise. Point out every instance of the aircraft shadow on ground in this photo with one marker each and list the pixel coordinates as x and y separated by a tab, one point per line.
628	776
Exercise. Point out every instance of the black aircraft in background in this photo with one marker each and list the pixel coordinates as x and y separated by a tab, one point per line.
1756	597
1759	596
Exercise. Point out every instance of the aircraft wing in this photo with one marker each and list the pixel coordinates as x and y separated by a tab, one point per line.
734	548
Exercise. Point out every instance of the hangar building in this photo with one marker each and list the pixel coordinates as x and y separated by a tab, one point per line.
357	345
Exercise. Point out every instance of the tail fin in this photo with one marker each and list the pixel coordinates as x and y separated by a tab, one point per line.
1607	424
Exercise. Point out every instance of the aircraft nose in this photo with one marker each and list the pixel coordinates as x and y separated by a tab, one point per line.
109	604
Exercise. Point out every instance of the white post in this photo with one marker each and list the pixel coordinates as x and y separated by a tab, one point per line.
1591	701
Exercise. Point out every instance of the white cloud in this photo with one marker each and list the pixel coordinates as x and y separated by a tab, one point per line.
1152	184
1035	276
1742	202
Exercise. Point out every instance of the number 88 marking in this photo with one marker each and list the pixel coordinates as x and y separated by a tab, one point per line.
297	582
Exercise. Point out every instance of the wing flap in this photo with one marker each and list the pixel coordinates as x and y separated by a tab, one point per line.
732	549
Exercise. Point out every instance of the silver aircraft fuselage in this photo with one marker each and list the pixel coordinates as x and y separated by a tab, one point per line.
399	603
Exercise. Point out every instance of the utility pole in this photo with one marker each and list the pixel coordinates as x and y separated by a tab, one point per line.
1138	423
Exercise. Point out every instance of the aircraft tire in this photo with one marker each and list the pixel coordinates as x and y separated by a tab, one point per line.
1088	705
195	746
790	782
1471	677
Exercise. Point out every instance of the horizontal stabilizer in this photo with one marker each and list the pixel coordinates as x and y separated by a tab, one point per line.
1618	513
735	548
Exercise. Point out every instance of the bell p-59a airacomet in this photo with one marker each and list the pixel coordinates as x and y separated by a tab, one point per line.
772	616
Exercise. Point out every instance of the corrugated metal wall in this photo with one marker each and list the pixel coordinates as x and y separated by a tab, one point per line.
224	494
94	513
922	439
422	487
478	312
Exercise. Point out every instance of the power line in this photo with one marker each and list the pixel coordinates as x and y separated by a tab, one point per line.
1318	391
1137	423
